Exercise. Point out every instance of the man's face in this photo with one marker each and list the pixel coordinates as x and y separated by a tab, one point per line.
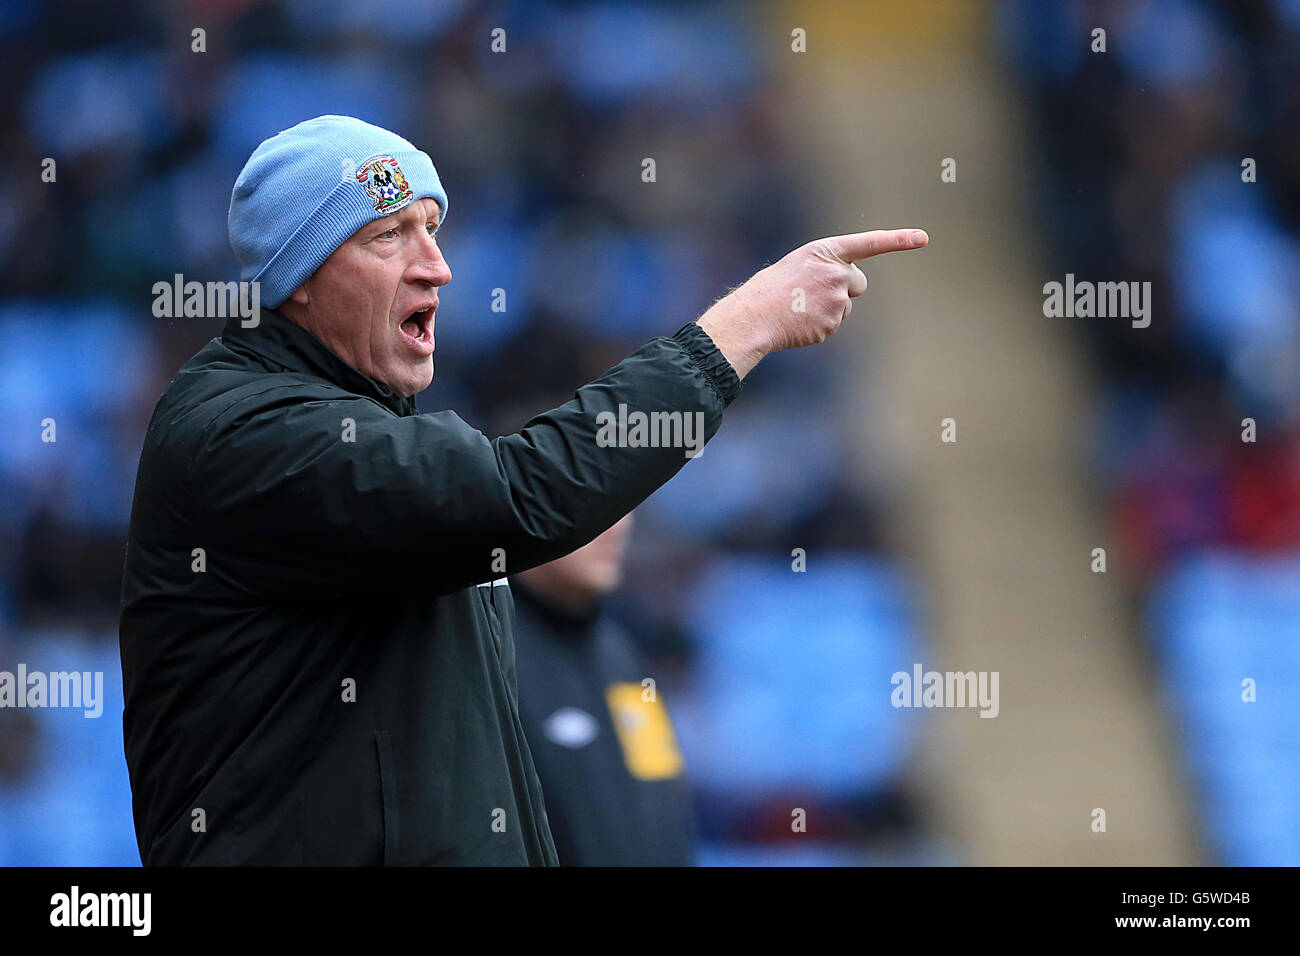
583	577
373	300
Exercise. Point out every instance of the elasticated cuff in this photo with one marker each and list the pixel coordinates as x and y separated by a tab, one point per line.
708	358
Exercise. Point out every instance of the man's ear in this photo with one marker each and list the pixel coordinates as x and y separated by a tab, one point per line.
300	295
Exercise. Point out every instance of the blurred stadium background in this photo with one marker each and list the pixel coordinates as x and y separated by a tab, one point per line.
1119	691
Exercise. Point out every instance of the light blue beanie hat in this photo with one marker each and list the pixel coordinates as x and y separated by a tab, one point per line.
307	189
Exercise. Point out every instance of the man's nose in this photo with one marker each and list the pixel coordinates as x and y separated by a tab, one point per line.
430	266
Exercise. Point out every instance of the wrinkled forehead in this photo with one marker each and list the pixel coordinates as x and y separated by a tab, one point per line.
418	212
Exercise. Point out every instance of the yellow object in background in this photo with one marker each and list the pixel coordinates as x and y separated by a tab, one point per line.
645	732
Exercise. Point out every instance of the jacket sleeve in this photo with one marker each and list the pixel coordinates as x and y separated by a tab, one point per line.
426	502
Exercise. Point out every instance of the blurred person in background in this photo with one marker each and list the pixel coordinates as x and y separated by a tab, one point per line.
600	734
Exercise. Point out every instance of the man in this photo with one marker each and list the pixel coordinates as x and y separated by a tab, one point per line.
317	641
597	727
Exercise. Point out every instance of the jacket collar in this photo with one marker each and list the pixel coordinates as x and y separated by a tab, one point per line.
277	341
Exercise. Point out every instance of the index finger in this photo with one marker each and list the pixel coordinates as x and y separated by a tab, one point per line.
864	245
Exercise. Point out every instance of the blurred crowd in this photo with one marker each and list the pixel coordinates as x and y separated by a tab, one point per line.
1173	157
542	149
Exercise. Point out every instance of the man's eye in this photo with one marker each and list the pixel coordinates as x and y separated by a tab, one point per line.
389	234
431	227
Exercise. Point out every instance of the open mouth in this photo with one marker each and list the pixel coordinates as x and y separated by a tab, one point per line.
417	330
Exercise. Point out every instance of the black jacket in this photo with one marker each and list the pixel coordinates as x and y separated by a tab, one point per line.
602	740
317	640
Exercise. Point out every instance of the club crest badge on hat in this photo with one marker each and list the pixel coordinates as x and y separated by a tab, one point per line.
384	183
